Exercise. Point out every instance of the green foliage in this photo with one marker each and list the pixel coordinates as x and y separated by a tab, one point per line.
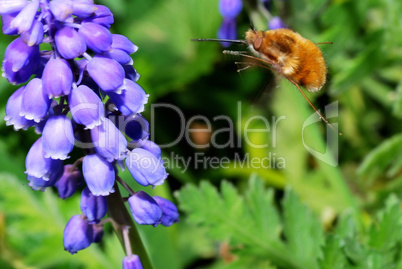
258	234
36	223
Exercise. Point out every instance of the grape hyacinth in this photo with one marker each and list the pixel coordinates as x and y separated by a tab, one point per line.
83	93
229	10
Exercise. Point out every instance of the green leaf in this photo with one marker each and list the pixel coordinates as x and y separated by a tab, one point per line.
35	223
382	157
389	226
333	256
252	222
302	230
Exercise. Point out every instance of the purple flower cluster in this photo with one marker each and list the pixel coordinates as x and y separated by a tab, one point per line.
84	64
229	10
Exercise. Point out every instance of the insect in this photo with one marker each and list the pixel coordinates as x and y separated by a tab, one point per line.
289	54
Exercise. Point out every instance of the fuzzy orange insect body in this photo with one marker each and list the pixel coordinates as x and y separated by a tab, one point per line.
291	55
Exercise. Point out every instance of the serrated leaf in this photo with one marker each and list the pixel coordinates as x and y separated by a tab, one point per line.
388	231
333	255
262	210
230	216
303	232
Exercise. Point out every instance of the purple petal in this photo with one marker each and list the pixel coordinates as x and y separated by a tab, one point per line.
131	73
276	23
109	142
35	102
93	207
23	21
83	9
132	262
98	233
145	167
131	100
58	137
33	36
227	31
57	78
13	109
61	9
98	174
123	43
151	147
40	184
78	234
230	8
97	37
6	24
69	181
11	6
170	214
136	127
20	61
145	209
119	55
106	72
103	16
70	43
37	165
86	107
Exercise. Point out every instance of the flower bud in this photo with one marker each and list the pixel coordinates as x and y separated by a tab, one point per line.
98	233
6	25
276	23
144	209
132	262
121	42
145	167
13	109
86	107
69	181
103	16
83	9
136	127
151	147
40	184
23	21
97	37
98	174
131	100
230	8
33	36
227	31
78	234
70	43
170	214
9	7
109	142
119	55
131	73
58	137
20	61
35	102
57	78
106	72
37	165
61	9
93	207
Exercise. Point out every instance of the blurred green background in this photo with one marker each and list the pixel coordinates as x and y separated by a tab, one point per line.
365	78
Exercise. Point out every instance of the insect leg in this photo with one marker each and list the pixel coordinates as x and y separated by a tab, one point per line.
315	109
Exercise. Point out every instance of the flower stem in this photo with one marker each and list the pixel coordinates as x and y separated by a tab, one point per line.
120	217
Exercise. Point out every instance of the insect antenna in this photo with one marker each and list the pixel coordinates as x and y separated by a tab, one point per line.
315	109
328	42
221	40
